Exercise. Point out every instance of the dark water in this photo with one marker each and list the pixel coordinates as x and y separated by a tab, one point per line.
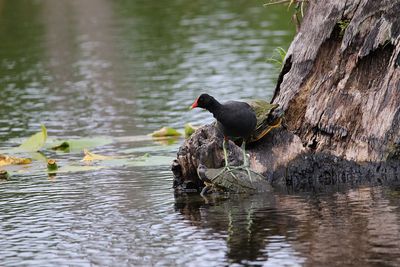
126	68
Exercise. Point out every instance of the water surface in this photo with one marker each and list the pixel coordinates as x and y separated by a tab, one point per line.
126	68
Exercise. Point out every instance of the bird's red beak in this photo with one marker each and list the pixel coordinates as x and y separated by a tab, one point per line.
194	105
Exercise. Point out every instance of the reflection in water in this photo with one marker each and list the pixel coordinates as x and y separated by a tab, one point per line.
255	230
23	77
354	227
82	51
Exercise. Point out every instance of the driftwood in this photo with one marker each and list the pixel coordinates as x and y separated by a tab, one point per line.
340	90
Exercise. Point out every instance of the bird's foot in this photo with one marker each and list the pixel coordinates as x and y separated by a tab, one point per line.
244	167
228	168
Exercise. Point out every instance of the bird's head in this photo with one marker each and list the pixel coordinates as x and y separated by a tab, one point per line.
203	101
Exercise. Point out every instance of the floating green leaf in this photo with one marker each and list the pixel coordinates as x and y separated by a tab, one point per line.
144	161
75	168
33	143
12	165
166	132
64	146
116	161
38	156
76	145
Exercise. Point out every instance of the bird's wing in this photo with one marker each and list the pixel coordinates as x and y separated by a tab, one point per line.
264	125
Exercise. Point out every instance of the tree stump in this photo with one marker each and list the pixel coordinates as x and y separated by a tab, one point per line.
340	90
340	86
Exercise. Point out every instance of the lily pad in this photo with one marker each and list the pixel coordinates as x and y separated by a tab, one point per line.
38	156
144	161
64	146
75	168
166	132
76	145
116	161
33	143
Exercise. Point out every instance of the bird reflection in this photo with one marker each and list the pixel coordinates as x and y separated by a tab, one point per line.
323	228
245	220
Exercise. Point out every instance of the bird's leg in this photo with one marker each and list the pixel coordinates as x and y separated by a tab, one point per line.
230	169
227	167
225	152
245	162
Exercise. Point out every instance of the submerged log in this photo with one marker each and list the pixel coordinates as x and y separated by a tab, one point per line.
340	90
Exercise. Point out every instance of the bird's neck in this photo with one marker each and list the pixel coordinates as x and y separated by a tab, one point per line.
214	106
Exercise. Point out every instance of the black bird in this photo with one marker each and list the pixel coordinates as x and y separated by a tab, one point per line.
236	119
250	120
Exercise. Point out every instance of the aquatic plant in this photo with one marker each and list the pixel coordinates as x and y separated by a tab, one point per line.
278	57
17	165
299	7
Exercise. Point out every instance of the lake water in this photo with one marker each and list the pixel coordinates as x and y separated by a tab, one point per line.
122	69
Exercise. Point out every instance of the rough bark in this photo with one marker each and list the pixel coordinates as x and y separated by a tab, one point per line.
340	90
